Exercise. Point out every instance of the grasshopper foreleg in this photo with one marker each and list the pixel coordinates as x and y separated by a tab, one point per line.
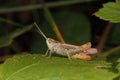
46	53
50	53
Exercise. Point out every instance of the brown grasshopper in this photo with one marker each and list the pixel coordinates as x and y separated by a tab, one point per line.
64	49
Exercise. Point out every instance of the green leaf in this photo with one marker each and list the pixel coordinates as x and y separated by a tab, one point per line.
110	12
8	39
118	66
36	67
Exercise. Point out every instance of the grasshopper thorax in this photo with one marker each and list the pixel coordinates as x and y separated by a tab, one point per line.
51	43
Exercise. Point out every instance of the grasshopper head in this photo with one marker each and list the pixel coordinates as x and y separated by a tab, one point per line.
51	43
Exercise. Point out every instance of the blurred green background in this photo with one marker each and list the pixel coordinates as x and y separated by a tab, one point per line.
75	20
71	21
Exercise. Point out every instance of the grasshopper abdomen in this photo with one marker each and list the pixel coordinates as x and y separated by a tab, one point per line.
61	48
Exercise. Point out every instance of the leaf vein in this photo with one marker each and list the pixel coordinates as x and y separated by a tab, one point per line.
20	70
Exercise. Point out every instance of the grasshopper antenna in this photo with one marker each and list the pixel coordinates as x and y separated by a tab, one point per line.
40	31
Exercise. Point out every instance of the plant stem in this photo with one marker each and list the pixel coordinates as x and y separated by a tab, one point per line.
52	22
106	53
103	38
10	22
39	6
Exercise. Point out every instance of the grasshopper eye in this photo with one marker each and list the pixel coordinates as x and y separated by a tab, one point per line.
50	40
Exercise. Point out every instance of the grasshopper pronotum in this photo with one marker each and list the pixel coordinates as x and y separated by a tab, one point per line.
71	51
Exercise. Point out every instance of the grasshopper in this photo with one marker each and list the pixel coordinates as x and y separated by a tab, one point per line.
64	49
